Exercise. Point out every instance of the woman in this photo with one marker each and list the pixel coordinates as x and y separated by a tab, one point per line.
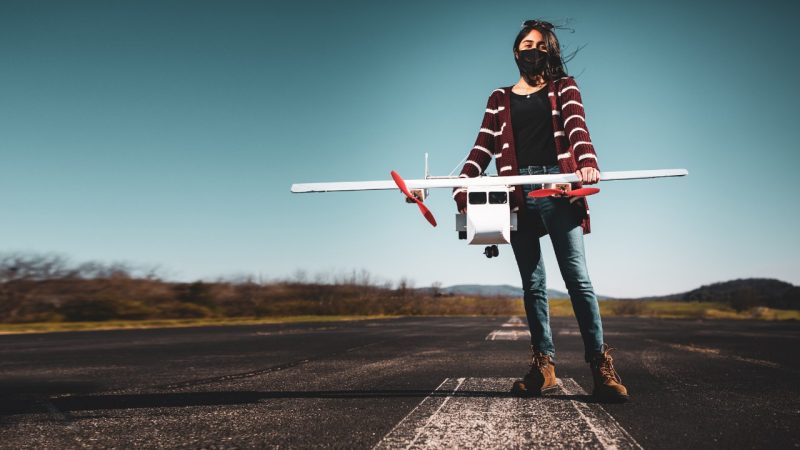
537	126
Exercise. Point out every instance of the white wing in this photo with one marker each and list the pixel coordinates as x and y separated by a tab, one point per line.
482	181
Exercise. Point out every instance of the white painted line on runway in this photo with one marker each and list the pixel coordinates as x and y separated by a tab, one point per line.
406	430
717	352
608	431
421	430
514	322
578	333
568	333
481	413
508	335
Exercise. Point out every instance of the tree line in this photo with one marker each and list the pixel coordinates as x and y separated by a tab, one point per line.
46	287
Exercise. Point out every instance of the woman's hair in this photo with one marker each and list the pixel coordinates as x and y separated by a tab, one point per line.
556	66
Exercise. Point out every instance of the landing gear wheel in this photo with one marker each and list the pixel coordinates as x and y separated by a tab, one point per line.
491	251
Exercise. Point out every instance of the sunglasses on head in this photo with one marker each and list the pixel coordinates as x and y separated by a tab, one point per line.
538	23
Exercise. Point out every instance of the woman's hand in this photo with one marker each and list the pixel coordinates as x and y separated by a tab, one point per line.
463	210
588	175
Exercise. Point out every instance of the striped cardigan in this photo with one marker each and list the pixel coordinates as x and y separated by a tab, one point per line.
496	139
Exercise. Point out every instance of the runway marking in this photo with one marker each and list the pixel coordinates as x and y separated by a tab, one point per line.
651	358
406	419
421	430
294	331
578	333
717	352
508	335
608	430
571	333
514	322
482	413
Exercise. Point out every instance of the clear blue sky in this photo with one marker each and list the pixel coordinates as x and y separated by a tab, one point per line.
169	133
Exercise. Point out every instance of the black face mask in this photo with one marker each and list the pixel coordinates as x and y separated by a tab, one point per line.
531	62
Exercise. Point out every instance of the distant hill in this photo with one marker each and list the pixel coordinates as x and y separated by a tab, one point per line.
740	293
743	293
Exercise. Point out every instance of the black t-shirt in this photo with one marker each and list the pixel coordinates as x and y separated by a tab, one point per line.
532	123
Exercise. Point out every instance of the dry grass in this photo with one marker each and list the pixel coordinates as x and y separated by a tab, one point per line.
451	308
689	310
674	310
48	327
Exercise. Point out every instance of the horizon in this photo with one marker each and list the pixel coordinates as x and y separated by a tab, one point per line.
63	264
168	134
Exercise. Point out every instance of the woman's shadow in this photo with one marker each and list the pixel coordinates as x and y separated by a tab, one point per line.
29	399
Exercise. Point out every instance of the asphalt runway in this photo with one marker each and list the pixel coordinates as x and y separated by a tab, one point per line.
399	383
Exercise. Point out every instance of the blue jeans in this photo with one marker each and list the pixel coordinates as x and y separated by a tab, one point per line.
563	225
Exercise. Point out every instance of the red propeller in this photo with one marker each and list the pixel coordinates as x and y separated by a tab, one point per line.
582	192
539	193
424	209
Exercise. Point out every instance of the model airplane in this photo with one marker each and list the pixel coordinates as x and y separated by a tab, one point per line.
488	219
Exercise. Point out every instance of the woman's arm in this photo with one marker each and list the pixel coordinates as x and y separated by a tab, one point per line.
481	154
574	116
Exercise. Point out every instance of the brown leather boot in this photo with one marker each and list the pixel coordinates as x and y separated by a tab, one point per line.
541	376
607	382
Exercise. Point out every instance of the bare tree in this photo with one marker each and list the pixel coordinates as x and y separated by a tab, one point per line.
404	287
436	289
34	266
300	276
